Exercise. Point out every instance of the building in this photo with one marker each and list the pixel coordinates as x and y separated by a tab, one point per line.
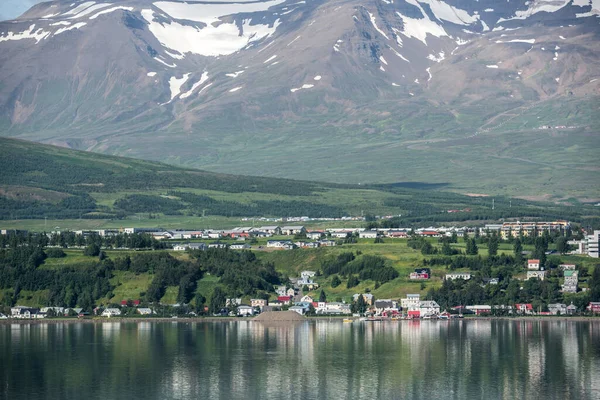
145	311
280	244
429	308
368	234
524	308
245	311
571	309
340	234
382	306
25	312
315	235
567	267
571	281
480	309
233	302
306	299
411	302
594	307
592	244
292	230
258	303
299	309
368	297
533	264
270	229
459	275
490	281
557	309
541	275
532	228
420	273
240	246
111	312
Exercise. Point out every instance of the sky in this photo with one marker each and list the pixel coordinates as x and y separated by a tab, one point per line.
10	9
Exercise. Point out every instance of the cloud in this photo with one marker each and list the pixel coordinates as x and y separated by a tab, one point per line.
10	9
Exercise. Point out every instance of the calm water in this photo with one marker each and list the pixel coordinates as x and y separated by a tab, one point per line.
310	360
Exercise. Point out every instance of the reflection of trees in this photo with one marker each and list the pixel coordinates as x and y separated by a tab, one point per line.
317	359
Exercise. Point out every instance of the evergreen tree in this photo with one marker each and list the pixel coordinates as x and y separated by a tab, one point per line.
217	300
322	296
352	281
518	251
335	281
493	245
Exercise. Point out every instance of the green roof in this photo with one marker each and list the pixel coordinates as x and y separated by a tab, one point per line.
569	273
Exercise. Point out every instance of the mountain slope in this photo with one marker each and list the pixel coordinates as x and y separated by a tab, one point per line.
376	91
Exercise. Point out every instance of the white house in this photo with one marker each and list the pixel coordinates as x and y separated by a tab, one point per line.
459	275
245	311
144	311
292	230
258	303
533	264
306	299
111	312
429	308
411	302
314	235
240	246
557	309
368	234
536	274
233	302
298	309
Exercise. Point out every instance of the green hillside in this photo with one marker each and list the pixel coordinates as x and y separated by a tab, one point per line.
42	187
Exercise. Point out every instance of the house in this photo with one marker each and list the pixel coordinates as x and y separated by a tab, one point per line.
524	308
280	244
25	312
368	298
428	308
291	230
490	281
594	307
270	230
307	274
145	311
135	303
571	281
533	264
420	273
275	304
368	234
75	310
459	275
567	267
291	292
411	302
2	316
217	245
240	246
327	243
340	234
306	299
299	309
281	290
284	299
479	309
245	311
397	234
430	233
536	274
571	309
233	302
56	310
258	303
557	309
382	306
111	312
314	235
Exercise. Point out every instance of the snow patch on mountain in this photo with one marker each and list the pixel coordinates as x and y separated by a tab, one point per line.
446	12
372	18
235	74
235	89
419	28
79	8
112	9
305	86
530	41
224	39
537	6
37	35
195	86
210	13
90	10
175	85
68	28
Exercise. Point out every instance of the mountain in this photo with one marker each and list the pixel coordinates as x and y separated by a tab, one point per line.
92	190
450	92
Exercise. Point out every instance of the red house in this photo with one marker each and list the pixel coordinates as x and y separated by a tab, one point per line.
135	302
524	308
414	314
284	299
594	307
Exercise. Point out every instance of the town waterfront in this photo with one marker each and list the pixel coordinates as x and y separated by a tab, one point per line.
460	359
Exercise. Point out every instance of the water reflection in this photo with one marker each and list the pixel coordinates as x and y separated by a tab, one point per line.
314	360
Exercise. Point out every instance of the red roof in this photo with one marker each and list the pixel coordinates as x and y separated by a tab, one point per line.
533	261
283	299
527	306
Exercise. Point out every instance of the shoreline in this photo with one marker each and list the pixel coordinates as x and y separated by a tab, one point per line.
10	321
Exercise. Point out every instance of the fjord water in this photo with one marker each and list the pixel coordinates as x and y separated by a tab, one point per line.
497	359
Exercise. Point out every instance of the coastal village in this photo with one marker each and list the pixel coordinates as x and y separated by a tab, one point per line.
293	295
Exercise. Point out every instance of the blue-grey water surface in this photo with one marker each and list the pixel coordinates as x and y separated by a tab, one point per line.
497	359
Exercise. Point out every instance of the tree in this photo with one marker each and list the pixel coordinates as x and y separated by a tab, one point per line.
378	239
472	248
594	284
562	245
446	249
454	238
322	296
92	250
305	289
217	300
352	281
335	281
493	245
518	250
359	306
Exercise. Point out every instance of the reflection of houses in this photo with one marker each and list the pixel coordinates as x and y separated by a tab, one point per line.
557	309
571	281
459	275
536	274
420	273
